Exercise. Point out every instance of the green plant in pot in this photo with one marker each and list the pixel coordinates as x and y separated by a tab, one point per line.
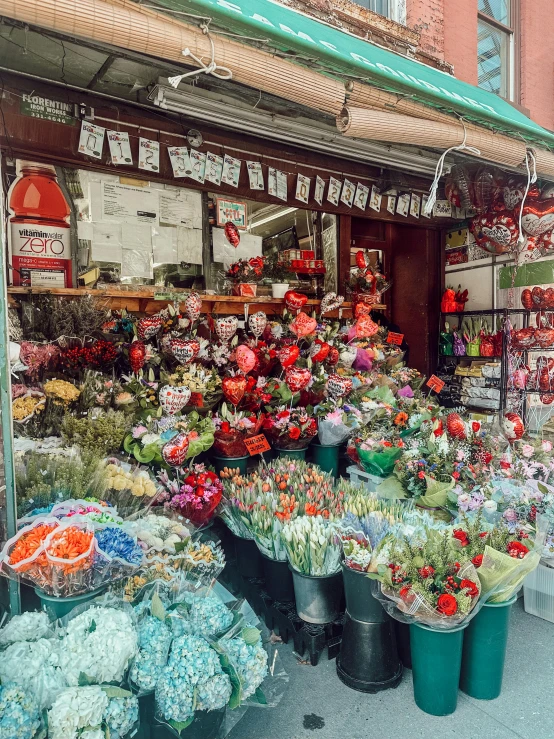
278	275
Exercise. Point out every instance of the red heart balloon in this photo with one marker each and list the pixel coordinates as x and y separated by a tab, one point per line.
288	355
526	299
246	359
361	260
499	229
365	327
338	386
137	356
538	217
234	388
320	354
175	451
513	427
295	301
303	325
361	309
456	426
232	234
149	326
297	378
514	191
333	356
184	350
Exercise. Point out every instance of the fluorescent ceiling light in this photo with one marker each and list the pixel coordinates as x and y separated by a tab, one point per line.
306	133
272	217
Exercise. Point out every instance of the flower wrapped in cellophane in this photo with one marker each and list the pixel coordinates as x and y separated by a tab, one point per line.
19	713
311	545
93	712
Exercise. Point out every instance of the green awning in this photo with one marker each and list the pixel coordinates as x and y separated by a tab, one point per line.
340	53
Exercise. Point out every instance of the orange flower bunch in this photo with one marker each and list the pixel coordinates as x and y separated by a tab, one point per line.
401	419
287	506
69	544
28	544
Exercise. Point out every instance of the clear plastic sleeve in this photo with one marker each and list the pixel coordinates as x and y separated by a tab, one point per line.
331	434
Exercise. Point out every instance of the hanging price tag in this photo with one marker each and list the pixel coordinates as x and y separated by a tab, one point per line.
197	165
91	140
214	168
435	383
255	175
257	445
120	147
394	338
319	190
149	155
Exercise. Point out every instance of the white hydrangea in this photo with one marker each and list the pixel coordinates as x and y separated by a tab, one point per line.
75	709
26	627
34	667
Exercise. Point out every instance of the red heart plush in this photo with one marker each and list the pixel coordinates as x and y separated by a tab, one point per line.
234	388
295	301
338	386
297	378
288	355
175	451
303	325
538	217
149	326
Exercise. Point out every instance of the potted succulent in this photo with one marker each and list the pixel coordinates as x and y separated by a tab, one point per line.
277	274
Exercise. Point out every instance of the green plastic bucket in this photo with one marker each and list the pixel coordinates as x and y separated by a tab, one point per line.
326	457
232	463
436	663
485	651
60	607
292	453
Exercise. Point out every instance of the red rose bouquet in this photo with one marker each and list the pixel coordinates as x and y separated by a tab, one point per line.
232	428
290	428
195	492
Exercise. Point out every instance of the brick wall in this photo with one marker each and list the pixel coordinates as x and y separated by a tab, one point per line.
460	38
537	60
427	18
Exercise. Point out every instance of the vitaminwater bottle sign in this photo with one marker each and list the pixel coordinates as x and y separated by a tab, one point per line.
39	232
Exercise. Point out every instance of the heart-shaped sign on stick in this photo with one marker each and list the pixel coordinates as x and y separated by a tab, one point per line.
288	355
297	378
295	301
303	325
338	386
184	350
148	327
173	399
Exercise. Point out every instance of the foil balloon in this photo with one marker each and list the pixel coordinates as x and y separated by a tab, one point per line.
257	323
174	399
338	386
546	242
226	327
184	350
319	350
538	217
329	302
365	327
175	451
303	325
500	229
137	356
362	309
456	426
362	261
459	187
527	299
512	426
487	189
234	388
193	306
333	356
246	359
148	327
232	234
295	301
514	192
288	355
297	378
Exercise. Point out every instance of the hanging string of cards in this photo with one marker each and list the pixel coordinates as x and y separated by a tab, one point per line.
208	167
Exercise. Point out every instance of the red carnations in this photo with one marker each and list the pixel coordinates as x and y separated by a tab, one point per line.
477	561
294	432
427	571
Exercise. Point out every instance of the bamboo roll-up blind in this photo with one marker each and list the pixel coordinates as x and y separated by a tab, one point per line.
165	38
545	162
377	125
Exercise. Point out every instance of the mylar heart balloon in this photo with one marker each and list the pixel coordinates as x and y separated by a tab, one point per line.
149	326
226	327
173	399
257	322
456	426
175	451
329	302
333	356
246	359
546	242
295	301
319	350
514	191
362	260
193	306
184	350
288	355
499	228
234	388
365	327
362	309
538	217
303	325
137	356
232	234
338	386
297	378
527	299
513	427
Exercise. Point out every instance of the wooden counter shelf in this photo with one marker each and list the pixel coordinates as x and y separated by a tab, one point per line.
142	301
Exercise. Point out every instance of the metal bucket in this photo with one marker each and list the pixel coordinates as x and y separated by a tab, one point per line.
318	599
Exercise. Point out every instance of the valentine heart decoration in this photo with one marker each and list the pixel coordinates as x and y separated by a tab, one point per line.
226	327
365	327
362	260
526	299
137	356
246	359
329	302
303	325
538	217
288	355
148	327
257	323
295	301
546	242
455	426
362	309
338	386
487	187
297	378
546	399
184	350
193	306
500	229
514	191
333	356
232	234
175	451
173	399
234	388
459	186
319	350
513	427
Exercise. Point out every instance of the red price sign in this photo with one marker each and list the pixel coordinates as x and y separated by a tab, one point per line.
257	444
197	400
393	338
435	383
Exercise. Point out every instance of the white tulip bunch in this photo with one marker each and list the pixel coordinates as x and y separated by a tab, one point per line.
312	545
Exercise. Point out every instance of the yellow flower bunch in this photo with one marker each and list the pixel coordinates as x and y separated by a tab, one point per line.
139	484
24	407
61	390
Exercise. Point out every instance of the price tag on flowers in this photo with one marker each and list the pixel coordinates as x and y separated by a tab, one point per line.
394	338
435	383
257	445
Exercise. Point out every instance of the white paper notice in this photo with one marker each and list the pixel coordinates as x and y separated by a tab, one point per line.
136	236
197	165
137	263
106	253
181	208
91	141
282	185
272	181
348	192
442	209
120	147
164	245
189	245
415	205
319	190
231	171
214	168
106	242
375	199
180	160
128	204
362	194
84	230
149	155
403	204
333	194
255	175
250	246
303	188
391	203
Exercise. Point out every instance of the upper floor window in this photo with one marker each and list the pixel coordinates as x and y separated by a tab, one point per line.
389	8
495	47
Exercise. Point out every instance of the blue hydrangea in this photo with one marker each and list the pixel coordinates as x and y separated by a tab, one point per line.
121	715
250	662
193	672
116	543
202	615
19	713
154	638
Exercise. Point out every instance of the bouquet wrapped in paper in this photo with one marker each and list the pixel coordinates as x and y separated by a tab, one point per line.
336	422
195	492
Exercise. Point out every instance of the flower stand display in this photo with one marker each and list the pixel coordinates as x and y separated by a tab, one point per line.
291	453
484	654
230	463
